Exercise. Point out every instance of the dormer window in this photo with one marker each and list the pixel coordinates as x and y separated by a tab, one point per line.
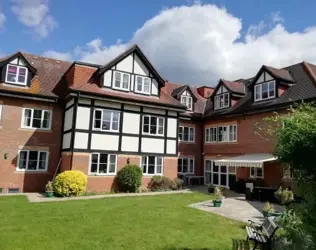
143	84
187	100
122	81
221	101
264	91
16	74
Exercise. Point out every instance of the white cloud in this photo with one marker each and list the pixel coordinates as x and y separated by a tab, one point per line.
198	44
34	14
276	17
58	55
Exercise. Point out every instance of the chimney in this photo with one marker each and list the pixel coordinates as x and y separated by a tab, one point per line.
205	91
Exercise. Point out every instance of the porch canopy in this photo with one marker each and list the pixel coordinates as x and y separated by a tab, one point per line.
247	160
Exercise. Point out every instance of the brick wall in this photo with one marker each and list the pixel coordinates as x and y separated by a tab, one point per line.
107	183
14	138
193	149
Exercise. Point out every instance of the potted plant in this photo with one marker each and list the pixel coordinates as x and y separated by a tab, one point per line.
217	202
268	210
284	196
210	188
49	189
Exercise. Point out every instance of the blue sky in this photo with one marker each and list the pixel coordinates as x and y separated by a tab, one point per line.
63	29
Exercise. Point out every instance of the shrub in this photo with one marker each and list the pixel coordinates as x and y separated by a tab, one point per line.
129	178
49	187
218	193
70	183
158	182
178	183
269	208
285	196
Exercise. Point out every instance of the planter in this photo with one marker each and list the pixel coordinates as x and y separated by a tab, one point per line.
217	203
49	193
271	214
210	190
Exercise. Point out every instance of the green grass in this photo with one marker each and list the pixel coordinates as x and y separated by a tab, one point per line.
148	222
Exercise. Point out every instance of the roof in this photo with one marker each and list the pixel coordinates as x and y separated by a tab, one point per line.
48	73
279	73
236	87
247	160
199	104
304	88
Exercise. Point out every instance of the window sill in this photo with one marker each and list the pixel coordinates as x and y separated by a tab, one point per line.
125	90
31	171
187	142
102	175
222	142
142	93
155	135
151	175
36	129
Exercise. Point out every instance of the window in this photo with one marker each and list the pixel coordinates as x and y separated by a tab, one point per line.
221	101
211	134
186	134
143	84
121	80
32	160
102	164
187	101
153	125
256	172
265	90
16	74
221	134
152	165
0	113
186	165
36	118
106	120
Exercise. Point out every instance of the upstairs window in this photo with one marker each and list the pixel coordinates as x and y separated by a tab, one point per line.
106	120
153	125
221	101
36	118
186	134
265	91
143	84
152	165
121	80
221	134
187	101
16	74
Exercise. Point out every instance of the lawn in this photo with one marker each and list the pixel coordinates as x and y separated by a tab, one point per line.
148	222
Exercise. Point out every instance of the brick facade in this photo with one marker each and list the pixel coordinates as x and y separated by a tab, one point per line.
107	183
14	138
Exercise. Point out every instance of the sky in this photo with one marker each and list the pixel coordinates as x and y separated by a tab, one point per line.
189	42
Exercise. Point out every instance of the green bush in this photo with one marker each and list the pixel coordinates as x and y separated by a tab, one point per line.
70	183
159	183
129	178
285	196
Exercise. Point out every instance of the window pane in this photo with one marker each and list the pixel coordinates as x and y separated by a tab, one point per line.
21	79
117	82
183	100
259	172
112	164
32	164
185	165
147	85
153	125
159	165
12	69
125	81
146	124
271	89
191	166
257	92
42	160
139	81
106	122
27	117
180	133
186	134
265	90
22	159
94	163
220	133
46	119
252	171
179	165
207	135
160	126
103	158
191	134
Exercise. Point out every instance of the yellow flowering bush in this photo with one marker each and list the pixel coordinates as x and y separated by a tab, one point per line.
70	183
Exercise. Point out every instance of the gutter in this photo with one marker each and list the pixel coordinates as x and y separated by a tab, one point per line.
28	96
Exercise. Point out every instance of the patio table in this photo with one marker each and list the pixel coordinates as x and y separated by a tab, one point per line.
265	193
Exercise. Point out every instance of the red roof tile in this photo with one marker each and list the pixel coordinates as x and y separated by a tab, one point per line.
281	73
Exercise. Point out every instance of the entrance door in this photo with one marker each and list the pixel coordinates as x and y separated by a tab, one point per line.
216	175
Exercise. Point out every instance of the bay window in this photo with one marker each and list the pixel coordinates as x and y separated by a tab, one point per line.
152	165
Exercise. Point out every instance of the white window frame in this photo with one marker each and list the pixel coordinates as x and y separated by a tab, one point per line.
227	139
209	136
181	128
190	159
18	70
111	121
143	85
141	165
255	173
32	117
220	104
258	88
157	125
121	80
187	101
0	114
27	161
108	164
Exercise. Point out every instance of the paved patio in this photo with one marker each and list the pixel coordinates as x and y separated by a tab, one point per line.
234	206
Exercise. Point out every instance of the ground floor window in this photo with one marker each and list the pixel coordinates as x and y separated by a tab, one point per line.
186	166
256	172
152	165
218	175
31	160
102	164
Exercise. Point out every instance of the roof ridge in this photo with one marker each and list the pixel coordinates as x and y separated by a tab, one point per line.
309	71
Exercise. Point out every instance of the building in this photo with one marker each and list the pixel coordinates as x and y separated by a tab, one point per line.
57	116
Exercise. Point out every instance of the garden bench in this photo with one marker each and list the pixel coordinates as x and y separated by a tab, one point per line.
261	234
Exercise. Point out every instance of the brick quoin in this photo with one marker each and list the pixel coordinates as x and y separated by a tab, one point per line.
14	138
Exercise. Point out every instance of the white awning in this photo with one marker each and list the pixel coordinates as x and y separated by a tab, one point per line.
247	160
